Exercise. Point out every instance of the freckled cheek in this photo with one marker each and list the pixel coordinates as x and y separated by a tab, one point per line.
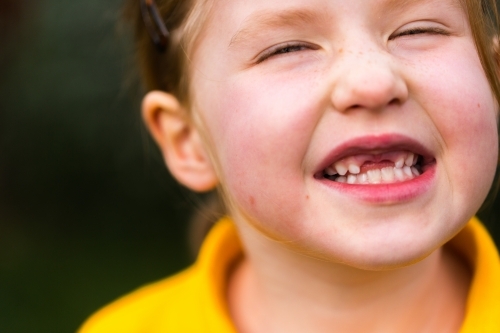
260	134
464	116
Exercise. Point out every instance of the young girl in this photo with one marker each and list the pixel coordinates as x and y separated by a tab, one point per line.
352	143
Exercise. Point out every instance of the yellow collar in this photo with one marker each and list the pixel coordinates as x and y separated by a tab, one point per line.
222	247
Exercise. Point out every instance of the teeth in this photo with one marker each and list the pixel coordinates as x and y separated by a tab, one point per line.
374	176
341	168
387	174
348	170
330	171
351	179
399	174
400	162
407	171
354	169
363	178
409	159
341	179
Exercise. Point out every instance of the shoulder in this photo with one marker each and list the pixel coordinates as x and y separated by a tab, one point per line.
150	308
476	247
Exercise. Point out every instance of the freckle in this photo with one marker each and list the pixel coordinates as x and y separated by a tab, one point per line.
307	197
341	50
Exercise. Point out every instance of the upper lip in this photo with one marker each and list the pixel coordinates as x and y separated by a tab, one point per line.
374	144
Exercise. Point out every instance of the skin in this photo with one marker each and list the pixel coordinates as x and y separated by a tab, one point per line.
318	256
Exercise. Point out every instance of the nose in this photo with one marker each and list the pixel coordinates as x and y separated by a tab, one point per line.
368	82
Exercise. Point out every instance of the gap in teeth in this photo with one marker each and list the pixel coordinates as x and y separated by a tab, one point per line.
385	175
384	168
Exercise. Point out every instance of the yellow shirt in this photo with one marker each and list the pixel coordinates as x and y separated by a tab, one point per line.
194	300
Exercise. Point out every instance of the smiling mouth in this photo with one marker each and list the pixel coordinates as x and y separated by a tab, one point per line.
377	168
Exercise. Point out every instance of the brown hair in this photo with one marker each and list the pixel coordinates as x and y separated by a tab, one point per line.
167	71
485	27
484	23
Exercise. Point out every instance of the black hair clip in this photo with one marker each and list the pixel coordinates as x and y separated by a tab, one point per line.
154	24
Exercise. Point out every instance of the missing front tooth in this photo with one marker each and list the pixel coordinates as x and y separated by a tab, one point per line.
383	171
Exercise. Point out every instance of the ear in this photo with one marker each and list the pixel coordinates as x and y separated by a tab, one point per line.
179	141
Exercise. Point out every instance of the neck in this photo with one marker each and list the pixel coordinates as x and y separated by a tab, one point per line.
274	289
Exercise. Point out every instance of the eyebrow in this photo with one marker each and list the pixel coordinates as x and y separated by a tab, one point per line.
261	21
397	5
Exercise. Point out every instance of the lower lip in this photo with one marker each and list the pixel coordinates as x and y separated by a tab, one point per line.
386	193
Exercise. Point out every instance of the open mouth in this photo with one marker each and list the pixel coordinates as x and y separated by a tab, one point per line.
378	168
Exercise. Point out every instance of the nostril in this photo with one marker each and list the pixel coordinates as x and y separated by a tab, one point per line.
395	101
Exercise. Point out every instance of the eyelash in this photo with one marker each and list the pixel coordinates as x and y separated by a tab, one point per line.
296	46
284	49
417	31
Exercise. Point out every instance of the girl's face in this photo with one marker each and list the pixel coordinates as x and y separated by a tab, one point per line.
302	98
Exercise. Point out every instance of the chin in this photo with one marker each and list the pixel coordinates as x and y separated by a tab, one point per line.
384	244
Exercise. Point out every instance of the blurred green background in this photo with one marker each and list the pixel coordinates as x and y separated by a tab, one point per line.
87	209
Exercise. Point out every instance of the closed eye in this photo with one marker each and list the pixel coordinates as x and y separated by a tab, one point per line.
285	48
419	31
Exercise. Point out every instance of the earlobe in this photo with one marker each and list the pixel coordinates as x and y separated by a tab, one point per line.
179	141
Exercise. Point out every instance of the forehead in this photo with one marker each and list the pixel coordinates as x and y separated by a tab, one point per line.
242	8
231	23
242	16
